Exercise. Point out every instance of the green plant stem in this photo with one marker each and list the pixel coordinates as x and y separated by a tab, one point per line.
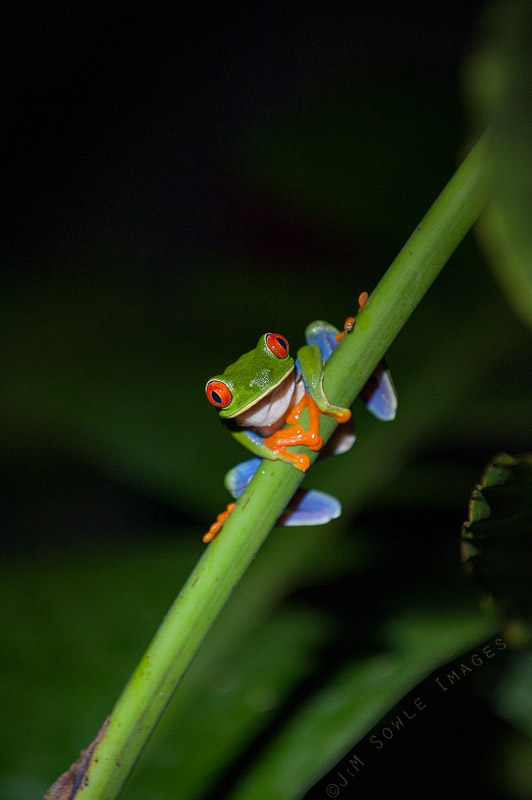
226	559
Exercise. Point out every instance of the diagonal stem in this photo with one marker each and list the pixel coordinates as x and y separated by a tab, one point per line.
187	622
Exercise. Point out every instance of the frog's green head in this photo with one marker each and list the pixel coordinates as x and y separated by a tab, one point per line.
252	377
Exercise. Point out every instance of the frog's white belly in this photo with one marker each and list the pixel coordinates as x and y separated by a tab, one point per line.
268	415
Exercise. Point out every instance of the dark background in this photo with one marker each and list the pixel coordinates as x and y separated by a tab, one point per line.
122	125
145	154
178	181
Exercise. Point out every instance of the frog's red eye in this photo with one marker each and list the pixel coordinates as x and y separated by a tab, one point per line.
277	344
218	394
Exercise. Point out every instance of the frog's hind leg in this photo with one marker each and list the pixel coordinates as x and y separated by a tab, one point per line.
305	507
216	527
235	481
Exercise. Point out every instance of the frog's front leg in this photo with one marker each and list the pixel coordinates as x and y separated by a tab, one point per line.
292	437
315	442
311	366
296	435
273	447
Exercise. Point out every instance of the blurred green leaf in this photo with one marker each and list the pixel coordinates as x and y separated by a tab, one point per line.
72	630
65	662
497	542
514	699
354	700
499	81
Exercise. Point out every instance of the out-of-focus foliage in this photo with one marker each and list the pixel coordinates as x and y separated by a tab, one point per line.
497	546
500	90
113	466
497	551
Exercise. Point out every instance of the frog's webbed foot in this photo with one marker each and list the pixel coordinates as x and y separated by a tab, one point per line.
292	418
322	405
349	324
314	411
297	435
291	437
216	527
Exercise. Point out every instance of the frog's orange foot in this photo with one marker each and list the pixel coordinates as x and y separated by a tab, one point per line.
299	460
349	324
295	435
286	437
313	440
289	437
216	527
343	416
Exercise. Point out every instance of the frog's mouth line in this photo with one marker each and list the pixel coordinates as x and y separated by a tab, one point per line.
266	394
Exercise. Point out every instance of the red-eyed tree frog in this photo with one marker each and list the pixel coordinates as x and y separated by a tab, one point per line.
267	389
